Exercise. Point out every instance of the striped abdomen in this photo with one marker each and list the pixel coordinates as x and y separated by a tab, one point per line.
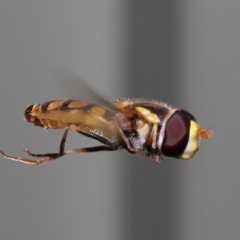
63	113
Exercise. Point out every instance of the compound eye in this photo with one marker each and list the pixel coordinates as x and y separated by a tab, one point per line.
177	134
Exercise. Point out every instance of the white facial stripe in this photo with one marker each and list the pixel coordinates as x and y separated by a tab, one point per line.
193	141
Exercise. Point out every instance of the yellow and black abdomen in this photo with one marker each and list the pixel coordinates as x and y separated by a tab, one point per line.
83	115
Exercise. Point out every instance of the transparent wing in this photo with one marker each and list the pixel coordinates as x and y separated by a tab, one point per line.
74	87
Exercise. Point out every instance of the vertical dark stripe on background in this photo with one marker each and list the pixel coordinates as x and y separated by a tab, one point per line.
153	74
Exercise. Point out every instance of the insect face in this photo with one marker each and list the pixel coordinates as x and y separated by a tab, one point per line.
179	136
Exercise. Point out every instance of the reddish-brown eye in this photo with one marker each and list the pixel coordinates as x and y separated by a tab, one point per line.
176	133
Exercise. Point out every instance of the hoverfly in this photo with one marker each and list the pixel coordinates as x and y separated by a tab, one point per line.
147	128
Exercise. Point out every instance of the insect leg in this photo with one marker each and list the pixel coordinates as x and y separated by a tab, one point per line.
92	149
131	149
45	157
108	146
114	145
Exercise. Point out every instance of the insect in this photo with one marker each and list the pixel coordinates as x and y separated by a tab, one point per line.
147	128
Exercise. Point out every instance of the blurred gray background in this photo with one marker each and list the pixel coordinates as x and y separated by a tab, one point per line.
186	53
